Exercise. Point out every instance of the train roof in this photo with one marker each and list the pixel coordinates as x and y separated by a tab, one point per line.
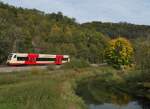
35	53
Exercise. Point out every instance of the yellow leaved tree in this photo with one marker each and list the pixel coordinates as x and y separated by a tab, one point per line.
119	52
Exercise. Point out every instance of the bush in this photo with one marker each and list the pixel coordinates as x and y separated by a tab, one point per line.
76	63
119	52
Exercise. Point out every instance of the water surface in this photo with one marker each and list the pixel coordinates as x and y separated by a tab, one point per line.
130	105
103	92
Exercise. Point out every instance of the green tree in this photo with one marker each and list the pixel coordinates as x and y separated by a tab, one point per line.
142	54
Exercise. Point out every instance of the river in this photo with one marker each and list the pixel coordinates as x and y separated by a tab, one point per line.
130	105
102	94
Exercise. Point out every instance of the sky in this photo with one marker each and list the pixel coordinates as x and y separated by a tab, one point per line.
131	11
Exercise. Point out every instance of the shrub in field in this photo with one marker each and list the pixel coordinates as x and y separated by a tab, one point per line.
76	63
119	52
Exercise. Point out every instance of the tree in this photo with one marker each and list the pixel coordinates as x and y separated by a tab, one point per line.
119	52
142	54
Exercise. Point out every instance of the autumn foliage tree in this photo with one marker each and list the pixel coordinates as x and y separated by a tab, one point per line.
119	52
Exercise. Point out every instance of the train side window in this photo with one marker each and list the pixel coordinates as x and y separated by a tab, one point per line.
65	59
22	58
45	59
52	59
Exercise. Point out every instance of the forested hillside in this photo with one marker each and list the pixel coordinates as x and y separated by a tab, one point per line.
123	29
26	30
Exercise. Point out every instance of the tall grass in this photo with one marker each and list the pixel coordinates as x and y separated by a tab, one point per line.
42	90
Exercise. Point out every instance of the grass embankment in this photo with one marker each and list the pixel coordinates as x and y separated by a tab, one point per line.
39	90
45	89
56	88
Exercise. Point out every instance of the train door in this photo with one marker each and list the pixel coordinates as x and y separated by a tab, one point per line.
59	59
31	59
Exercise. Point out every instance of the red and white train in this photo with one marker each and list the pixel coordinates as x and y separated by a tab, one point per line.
36	59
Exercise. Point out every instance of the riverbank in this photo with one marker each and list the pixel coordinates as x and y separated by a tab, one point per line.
129	82
116	88
53	89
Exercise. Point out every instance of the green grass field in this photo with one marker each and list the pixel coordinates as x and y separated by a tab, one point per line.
52	89
39	90
43	89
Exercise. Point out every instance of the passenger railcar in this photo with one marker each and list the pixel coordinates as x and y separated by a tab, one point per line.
36	59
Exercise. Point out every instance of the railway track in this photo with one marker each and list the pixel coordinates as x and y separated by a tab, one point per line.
7	69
